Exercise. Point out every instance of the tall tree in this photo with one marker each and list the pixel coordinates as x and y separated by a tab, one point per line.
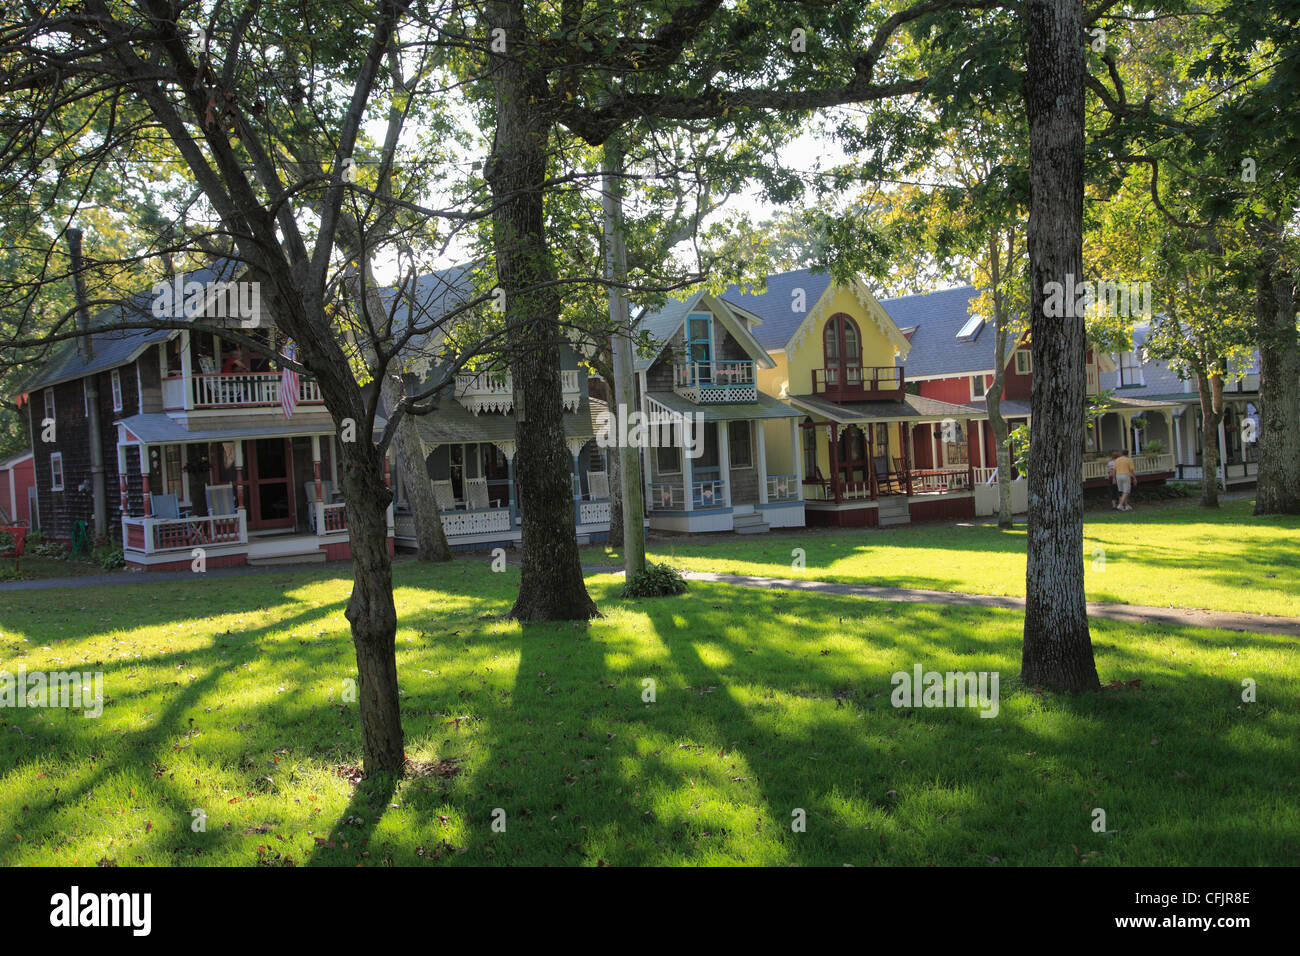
1058	645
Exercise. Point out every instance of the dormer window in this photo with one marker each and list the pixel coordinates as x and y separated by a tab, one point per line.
1130	370
971	329
1024	362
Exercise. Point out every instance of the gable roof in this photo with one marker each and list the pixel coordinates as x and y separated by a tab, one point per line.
773	304
664	323
113	346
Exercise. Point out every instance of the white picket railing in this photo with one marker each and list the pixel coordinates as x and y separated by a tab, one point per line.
245	389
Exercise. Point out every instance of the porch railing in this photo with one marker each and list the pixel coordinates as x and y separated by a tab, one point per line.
782	488
150	535
476	521
241	390
984	476
671	495
331	517
847	383
495	392
715	383
940	479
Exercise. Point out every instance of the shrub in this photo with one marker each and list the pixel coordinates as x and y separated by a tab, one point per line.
49	549
657	580
107	553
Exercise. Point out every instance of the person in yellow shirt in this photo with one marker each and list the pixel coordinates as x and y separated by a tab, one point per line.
1125	474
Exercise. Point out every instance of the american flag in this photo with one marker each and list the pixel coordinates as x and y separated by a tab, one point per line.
288	383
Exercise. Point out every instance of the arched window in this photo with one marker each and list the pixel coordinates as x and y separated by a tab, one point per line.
842	346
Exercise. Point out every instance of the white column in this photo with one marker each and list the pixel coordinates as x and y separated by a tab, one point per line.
796	446
688	463
1223	456
1178	439
645	468
982	439
187	372
724	461
761	464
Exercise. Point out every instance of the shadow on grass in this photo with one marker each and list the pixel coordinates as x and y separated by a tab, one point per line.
765	704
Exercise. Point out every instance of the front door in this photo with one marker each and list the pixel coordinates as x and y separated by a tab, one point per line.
843	352
699	346
268	480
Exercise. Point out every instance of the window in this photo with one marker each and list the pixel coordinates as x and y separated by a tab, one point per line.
738	442
1024	362
842	349
56	471
116	379
668	456
955	451
971	329
174	484
85	399
977	386
49	403
1130	370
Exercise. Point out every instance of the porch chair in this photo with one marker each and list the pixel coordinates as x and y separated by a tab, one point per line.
221	500
476	493
326	495
885	480
445	496
166	506
597	485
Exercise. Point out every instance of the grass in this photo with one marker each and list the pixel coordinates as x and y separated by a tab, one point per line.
32	567
224	695
1173	555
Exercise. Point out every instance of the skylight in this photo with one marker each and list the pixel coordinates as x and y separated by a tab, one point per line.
971	329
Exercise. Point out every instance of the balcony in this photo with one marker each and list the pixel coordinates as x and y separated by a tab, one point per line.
233	390
715	383
495	391
854	383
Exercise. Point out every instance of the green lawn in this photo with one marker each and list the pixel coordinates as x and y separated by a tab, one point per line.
224	694
1170	555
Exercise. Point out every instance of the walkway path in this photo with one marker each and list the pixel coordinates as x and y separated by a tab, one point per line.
1129	613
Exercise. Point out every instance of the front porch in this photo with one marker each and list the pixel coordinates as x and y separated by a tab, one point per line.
726	467
873	464
217	498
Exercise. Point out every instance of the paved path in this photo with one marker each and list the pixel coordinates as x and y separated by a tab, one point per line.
1130	613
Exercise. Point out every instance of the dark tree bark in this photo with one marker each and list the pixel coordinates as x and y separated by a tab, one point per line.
1278	488
551	586
1210	389
1058	646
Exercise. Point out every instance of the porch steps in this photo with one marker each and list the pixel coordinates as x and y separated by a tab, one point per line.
751	523
892	510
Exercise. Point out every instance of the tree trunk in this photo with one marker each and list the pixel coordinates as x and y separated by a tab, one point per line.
1210	389
551	586
616	497
1278	489
1003	451
371	611
430	537
1058	647
624	393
